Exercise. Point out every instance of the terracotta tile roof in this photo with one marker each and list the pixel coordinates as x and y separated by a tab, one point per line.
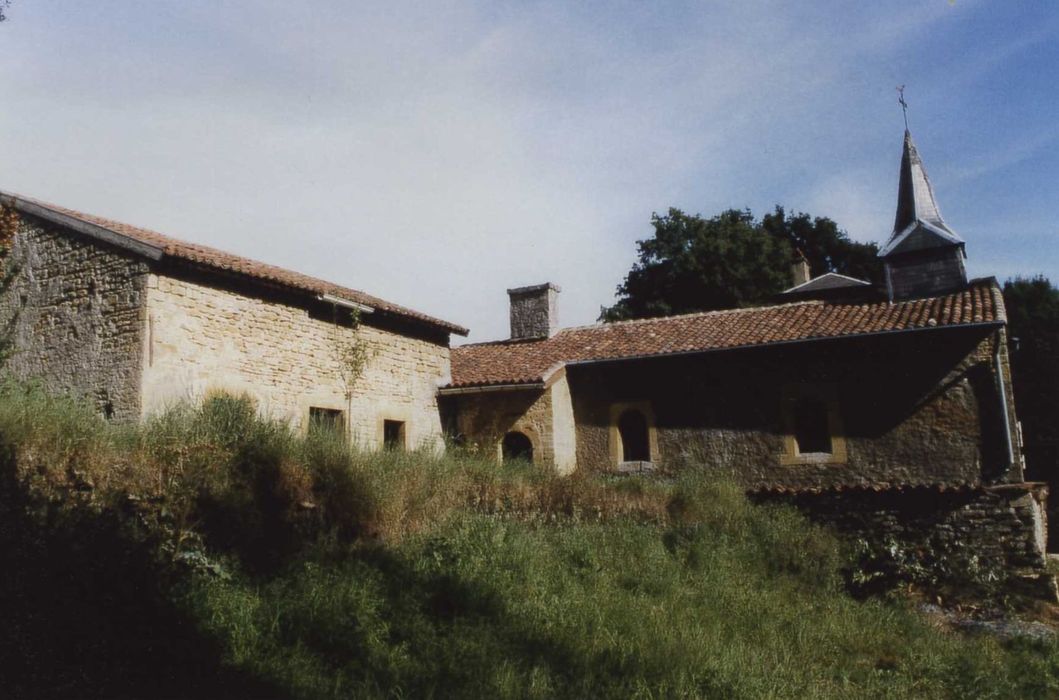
533	361
229	262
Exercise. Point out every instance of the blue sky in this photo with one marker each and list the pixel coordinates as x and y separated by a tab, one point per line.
438	153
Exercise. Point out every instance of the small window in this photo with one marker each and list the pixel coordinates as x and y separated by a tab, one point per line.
812	431
812	425
393	434
517	446
326	419
635	442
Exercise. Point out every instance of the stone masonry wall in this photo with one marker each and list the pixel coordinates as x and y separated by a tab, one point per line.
482	420
914	409
968	532
203	338
76	310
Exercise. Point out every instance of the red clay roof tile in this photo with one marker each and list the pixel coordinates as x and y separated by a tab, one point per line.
221	260
532	361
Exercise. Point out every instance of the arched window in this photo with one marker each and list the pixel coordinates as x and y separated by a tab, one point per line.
516	446
635	444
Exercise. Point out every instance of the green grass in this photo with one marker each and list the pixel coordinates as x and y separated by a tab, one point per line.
272	563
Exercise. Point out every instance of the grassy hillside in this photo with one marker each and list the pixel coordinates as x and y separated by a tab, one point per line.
210	552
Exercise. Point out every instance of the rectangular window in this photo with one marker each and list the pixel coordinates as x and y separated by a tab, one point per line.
328	419
812	429
393	434
812	425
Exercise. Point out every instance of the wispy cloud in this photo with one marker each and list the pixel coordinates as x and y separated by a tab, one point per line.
437	153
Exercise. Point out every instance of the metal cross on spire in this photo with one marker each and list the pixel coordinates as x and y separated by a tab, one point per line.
904	105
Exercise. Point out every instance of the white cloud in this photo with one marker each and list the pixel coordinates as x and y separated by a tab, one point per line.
437	153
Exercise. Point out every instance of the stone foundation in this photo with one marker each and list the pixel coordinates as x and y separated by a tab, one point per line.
975	533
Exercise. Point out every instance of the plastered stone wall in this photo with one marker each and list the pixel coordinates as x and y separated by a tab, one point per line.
564	430
201	338
76	310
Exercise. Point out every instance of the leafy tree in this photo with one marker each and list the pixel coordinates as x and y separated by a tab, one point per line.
731	260
825	246
1033	319
696	264
4	4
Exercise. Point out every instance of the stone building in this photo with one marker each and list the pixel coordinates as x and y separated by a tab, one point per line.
136	321
886	411
838	393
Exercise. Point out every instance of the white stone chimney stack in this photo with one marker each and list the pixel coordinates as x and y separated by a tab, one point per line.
799	269
534	311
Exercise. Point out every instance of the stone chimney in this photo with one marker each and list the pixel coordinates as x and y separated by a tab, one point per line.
534	312
799	269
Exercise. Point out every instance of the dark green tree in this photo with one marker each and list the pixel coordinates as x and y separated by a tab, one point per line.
697	264
731	260
1033	328
825	245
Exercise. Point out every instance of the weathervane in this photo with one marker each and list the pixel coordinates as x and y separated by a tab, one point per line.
904	105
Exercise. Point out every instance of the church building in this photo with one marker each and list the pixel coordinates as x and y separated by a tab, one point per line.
885	411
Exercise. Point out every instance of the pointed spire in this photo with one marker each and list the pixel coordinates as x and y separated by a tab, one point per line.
918	223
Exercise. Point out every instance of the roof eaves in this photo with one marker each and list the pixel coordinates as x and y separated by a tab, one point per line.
91	230
794	341
488	388
156	253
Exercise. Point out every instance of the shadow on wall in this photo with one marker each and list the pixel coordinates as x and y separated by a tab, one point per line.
917	401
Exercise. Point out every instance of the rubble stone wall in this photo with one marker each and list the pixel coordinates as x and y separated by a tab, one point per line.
974	533
73	312
912	409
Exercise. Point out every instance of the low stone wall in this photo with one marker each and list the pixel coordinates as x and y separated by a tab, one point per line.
974	533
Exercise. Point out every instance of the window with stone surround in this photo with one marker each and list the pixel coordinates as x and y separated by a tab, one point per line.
331	420
633	439
812	425
393	434
632	427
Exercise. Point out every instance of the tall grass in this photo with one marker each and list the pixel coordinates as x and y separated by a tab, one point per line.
306	568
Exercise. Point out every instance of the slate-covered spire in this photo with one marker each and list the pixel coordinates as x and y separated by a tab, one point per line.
918	223
923	256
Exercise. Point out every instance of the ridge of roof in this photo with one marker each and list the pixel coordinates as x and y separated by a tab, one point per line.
155	245
690	315
603	325
826	276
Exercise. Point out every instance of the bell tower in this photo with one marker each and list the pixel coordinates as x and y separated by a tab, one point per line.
923	257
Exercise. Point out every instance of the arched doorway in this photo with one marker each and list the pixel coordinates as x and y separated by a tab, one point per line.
517	446
635	443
